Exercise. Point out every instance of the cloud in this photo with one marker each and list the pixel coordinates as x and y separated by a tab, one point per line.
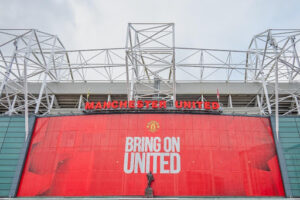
198	23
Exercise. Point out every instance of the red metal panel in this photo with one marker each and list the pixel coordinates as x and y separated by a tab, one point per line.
85	156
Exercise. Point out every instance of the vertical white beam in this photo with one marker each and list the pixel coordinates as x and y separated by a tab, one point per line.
26	57
51	103
276	100
259	105
201	66
80	102
132	93
127	75
229	101
266	94
174	67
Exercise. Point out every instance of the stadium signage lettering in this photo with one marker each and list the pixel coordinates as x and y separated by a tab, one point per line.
162	155
150	105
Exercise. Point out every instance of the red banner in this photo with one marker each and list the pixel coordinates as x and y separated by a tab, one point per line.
189	155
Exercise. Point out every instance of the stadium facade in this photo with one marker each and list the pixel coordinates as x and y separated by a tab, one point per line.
93	122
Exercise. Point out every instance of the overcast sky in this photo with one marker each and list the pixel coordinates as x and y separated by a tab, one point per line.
84	24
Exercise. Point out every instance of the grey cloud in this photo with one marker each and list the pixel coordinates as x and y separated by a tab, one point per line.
199	23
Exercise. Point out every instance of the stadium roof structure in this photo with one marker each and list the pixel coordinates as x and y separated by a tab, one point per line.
40	76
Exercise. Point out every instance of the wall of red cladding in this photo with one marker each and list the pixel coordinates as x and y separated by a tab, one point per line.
212	156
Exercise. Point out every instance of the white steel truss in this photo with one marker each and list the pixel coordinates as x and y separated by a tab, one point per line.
27	55
150	66
150	55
